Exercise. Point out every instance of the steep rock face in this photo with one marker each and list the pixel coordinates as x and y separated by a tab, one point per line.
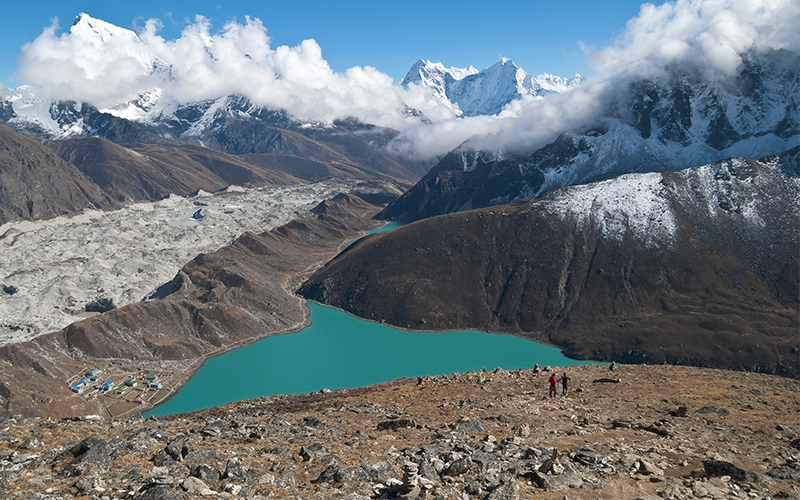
681	120
68	119
691	267
35	183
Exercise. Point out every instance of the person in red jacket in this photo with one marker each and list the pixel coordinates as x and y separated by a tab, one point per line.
553	383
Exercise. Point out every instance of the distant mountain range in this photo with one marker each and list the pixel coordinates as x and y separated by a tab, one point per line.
683	119
150	147
151	117
40	180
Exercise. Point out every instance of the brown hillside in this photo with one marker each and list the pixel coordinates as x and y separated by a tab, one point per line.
723	293
153	172
341	150
36	184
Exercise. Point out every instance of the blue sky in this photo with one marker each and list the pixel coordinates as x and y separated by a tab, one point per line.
389	35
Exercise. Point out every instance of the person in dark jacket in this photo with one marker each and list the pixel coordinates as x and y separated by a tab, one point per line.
564	384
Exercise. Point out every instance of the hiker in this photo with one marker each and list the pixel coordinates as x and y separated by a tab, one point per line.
564	384
553	383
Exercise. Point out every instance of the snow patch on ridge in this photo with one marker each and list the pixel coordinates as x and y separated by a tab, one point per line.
630	204
644	206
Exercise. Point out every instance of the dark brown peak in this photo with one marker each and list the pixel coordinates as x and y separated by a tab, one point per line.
339	204
35	183
461	182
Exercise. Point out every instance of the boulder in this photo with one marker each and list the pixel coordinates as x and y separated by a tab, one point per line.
458	467
469	425
235	470
714	409
312	451
195	486
156	491
719	468
206	473
334	474
177	450
92	452
399	423
380	472
507	491
203	456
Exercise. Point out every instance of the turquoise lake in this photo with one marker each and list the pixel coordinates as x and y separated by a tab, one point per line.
341	351
386	227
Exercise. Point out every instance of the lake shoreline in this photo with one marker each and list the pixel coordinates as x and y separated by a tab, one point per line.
339	350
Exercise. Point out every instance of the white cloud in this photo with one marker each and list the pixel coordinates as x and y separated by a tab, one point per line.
91	65
105	65
711	35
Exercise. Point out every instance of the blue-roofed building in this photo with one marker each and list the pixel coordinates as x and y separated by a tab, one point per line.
77	386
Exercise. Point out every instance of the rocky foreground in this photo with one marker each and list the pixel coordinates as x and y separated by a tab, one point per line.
635	432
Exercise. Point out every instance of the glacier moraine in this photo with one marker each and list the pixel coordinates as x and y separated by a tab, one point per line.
51	269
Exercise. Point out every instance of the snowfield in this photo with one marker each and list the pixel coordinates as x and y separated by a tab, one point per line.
643	205
60	265
632	203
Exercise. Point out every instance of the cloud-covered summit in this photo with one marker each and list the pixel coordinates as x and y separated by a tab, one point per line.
104	65
711	34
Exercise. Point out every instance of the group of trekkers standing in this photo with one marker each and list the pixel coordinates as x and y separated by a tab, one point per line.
554	382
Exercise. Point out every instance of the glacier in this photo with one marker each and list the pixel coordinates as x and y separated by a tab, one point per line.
60	265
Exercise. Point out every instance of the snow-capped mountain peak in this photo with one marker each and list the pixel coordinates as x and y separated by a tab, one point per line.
99	33
557	84
649	125
106	38
424	71
488	91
